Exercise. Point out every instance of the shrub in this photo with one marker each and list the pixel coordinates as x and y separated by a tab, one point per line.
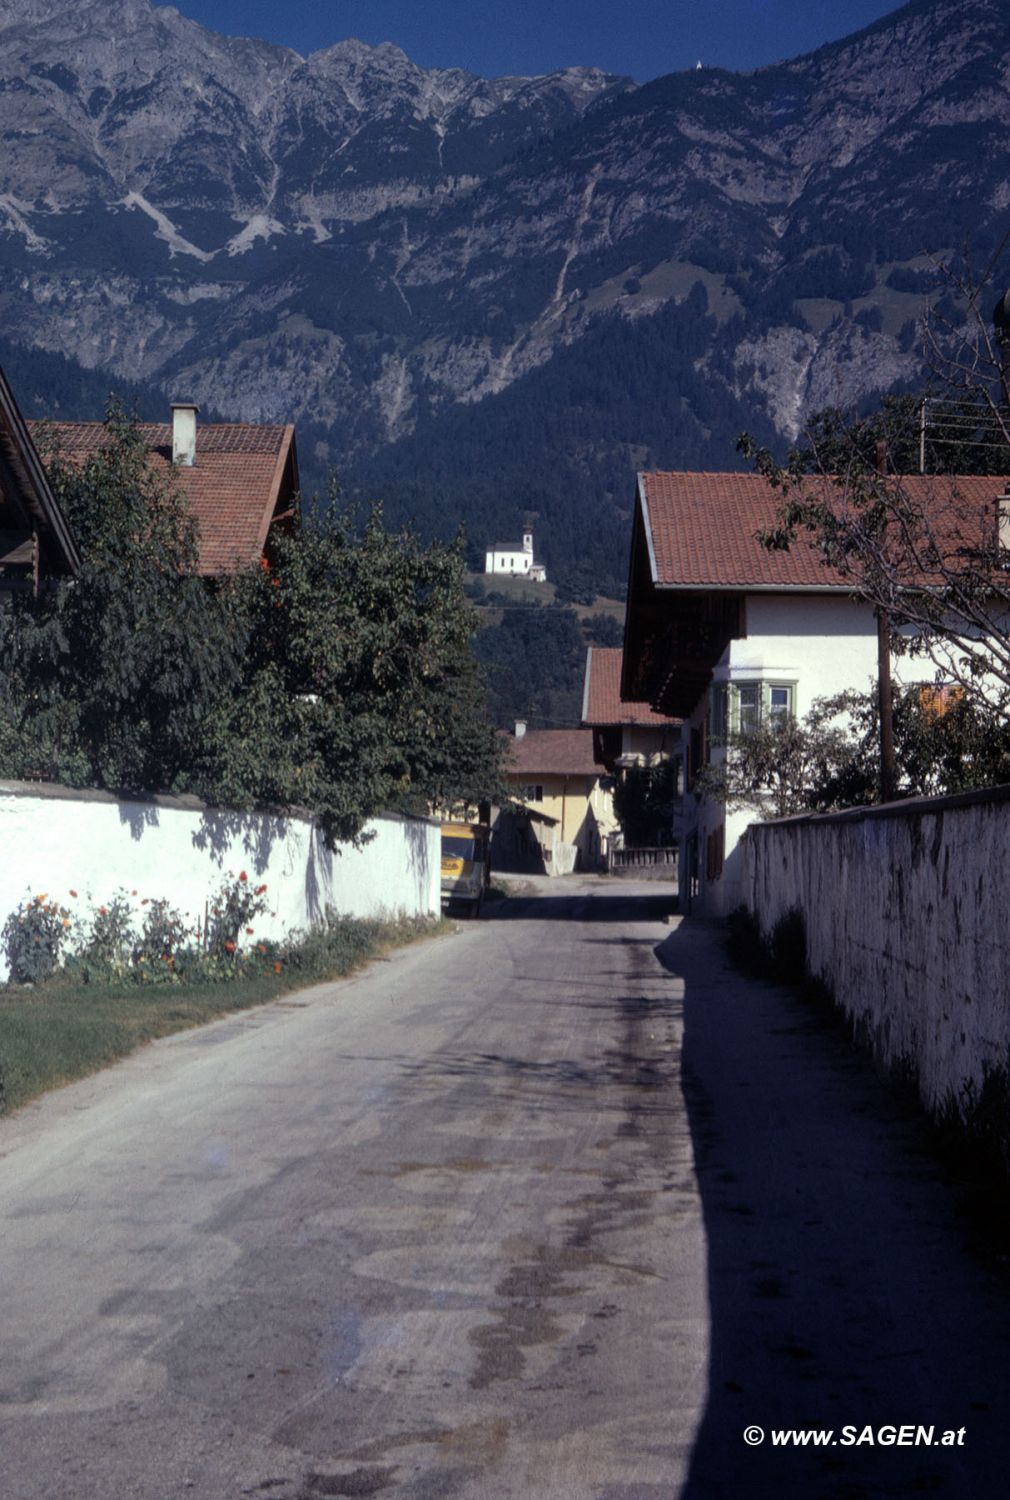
33	936
234	907
789	947
746	944
108	949
164	932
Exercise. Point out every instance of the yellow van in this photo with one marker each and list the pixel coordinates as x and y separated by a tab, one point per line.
466	864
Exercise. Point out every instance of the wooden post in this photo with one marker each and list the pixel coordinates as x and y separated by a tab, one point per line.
888	778
887	767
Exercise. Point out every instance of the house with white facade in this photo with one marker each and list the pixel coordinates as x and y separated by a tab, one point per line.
724	634
515	560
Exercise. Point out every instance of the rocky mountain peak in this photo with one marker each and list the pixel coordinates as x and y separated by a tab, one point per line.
373	248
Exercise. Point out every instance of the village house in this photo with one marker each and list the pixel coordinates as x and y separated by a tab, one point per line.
239	479
563	809
36	543
515	560
726	634
625	735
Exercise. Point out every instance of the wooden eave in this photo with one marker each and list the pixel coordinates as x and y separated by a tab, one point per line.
280	511
31	502
673	637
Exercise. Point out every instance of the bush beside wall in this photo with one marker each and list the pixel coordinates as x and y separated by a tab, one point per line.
178	850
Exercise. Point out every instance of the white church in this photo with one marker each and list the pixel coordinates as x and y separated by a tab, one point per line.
515	561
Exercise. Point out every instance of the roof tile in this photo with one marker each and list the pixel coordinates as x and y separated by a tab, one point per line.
232	490
702	527
554	752
604	704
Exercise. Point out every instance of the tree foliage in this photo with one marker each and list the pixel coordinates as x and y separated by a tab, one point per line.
893	515
108	679
339	679
945	741
361	690
644	802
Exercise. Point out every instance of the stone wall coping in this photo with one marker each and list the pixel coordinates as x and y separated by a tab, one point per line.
911	807
53	791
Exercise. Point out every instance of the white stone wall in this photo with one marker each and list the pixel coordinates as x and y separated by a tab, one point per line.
55	840
906	920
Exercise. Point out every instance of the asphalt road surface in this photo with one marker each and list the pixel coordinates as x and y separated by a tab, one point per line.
552	1207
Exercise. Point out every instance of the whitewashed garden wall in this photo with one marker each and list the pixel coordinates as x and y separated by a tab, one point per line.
906	917
54	840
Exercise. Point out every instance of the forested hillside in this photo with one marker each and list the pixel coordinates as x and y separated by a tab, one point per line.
566	442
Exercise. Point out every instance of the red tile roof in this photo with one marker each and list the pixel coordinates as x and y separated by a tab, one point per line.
234	489
700	528
602	702
554	752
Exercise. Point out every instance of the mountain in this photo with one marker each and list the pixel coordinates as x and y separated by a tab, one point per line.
483	297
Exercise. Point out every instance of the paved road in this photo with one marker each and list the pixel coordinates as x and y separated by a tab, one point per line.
551	1208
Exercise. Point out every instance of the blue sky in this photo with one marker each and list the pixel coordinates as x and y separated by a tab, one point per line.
491	37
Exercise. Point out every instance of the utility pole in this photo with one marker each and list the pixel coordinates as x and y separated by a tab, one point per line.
1001	320
888	778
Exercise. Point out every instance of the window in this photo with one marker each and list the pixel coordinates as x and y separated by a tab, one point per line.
532	793
748	699
937	698
719	714
745	705
780	702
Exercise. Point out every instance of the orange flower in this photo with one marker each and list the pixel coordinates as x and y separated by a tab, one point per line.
102	912
277	968
249	931
73	893
66	921
261	948
259	890
243	877
229	946
41	898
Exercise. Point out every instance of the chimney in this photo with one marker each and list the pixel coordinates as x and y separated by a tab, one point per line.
184	433
520	728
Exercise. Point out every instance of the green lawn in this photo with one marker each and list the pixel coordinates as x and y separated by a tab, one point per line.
64	1030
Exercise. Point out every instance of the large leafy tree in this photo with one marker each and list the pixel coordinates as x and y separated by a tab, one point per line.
339	679
108	678
361	689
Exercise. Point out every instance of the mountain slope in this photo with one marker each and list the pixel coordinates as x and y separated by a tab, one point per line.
559	277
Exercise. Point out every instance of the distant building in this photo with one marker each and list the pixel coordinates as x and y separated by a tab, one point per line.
515	560
562	814
624	734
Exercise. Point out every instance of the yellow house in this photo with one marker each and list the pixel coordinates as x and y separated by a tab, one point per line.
553	774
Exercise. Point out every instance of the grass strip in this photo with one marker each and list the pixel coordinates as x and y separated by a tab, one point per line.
64	1030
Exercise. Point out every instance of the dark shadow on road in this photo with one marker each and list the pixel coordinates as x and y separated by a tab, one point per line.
599	906
840	1290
